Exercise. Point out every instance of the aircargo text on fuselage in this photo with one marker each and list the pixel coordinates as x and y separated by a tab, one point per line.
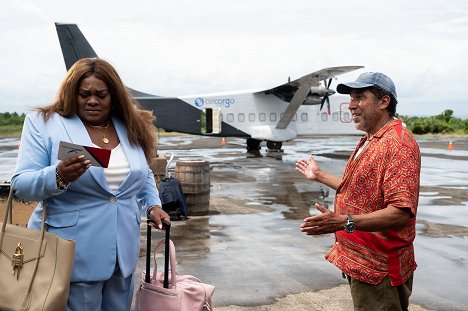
226	102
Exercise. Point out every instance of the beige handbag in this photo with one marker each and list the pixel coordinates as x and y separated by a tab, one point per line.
35	266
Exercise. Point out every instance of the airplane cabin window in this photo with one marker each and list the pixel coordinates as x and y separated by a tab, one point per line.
324	116
272	116
304	117
251	117
262	117
241	117
335	116
346	117
230	117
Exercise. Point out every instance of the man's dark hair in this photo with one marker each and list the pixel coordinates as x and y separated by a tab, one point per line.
379	93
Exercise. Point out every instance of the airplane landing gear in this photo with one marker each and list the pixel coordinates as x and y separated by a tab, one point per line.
274	146
253	145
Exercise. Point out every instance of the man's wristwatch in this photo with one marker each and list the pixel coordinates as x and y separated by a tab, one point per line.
350	225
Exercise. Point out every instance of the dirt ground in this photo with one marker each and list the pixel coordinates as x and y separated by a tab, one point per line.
334	299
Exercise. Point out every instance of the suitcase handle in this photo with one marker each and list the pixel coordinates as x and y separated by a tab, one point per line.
167	227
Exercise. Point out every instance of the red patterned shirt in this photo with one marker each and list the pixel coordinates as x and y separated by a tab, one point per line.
386	173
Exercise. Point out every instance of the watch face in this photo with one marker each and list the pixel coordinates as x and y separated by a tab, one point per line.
350	225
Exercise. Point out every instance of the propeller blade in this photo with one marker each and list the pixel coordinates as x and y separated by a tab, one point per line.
326	96
323	101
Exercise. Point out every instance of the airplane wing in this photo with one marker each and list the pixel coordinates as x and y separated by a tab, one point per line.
295	92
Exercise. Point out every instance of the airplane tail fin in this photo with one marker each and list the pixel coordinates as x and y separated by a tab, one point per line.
75	47
73	43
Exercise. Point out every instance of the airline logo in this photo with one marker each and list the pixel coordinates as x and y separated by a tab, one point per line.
226	102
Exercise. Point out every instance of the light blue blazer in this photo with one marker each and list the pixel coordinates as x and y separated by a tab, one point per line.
105	224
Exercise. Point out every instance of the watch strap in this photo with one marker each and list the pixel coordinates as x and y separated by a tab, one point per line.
350	225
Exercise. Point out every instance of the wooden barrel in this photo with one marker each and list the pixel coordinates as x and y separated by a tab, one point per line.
194	176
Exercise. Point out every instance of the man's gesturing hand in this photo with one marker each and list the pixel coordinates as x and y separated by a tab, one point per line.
325	222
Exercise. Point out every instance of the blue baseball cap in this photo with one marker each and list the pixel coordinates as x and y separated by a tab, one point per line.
369	79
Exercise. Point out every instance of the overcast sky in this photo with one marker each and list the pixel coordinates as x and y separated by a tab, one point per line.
188	47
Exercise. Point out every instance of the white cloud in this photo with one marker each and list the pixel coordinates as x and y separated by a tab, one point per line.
184	47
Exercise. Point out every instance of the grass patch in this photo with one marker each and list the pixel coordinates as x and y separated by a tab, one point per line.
11	130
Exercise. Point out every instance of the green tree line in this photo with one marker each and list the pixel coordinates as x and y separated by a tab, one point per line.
7	118
444	123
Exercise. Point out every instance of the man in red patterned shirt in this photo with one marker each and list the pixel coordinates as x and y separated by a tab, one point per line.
376	200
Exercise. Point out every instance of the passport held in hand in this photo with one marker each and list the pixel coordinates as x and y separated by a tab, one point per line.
97	156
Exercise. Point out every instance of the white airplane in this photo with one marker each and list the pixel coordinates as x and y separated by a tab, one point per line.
274	115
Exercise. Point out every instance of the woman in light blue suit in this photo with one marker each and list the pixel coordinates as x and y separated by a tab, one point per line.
98	208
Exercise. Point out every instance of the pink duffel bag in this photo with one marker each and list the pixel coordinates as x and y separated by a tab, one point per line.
182	292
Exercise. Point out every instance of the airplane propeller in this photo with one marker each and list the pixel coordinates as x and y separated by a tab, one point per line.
327	94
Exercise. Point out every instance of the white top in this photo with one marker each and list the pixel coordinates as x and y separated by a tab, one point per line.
118	168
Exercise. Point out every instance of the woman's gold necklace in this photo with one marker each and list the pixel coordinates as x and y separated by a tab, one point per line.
97	127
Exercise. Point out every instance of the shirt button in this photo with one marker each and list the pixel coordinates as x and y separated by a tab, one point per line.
112	199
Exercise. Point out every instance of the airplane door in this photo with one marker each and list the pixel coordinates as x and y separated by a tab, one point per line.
210	121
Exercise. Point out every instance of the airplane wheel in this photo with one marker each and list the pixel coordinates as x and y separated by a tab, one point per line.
274	145
253	144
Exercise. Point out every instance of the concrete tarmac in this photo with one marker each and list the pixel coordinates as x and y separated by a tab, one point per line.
250	246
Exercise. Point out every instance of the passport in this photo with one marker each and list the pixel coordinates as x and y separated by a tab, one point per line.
97	156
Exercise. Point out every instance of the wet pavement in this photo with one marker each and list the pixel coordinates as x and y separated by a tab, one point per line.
250	246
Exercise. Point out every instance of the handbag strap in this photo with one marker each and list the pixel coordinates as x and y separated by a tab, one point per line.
8	213
172	261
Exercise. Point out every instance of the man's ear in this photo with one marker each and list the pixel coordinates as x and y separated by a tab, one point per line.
384	102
